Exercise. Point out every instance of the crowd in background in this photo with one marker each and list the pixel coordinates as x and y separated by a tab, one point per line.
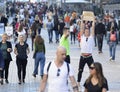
28	21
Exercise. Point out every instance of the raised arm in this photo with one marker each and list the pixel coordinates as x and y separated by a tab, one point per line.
81	27
93	28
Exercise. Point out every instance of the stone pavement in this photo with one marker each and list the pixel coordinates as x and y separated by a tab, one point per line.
111	69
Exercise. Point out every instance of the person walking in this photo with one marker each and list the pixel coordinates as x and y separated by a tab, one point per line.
64	41
50	30
61	26
1	67
39	55
57	72
87	44
72	31
21	51
56	23
96	82
21	31
6	48
35	28
100	32
112	42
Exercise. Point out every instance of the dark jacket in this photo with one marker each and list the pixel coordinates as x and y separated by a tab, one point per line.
1	60
100	28
9	45
115	26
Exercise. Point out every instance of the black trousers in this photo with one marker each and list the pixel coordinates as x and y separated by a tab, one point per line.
1	73
100	41
72	36
32	39
82	63
21	66
67	59
5	72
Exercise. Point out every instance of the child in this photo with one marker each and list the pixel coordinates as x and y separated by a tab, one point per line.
1	67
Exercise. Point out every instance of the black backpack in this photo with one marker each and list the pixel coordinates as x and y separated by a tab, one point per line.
68	68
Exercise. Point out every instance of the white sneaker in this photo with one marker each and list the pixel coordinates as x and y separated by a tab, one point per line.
110	59
113	60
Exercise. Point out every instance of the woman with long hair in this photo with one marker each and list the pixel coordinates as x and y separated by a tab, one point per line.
96	82
21	31
39	55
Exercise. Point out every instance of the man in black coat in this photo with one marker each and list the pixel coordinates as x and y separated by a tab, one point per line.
100	32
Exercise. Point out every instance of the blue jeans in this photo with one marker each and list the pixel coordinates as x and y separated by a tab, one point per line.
40	58
50	35
112	49
56	35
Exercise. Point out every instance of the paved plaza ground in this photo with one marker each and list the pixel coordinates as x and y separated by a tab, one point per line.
111	69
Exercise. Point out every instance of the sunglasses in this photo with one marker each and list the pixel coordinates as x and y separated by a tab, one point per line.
58	72
92	68
86	39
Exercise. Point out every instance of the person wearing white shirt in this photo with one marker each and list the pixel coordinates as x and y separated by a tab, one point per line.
87	44
21	31
57	75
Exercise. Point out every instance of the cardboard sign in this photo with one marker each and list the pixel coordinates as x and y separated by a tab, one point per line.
1	28
88	15
9	30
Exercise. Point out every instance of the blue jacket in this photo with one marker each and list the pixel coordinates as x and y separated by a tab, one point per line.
1	60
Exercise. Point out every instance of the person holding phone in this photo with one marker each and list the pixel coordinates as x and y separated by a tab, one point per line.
6	48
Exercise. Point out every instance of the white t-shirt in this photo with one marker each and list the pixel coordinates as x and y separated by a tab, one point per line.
87	46
71	28
58	83
23	32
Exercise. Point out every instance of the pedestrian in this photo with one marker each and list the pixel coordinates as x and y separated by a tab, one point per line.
39	55
21	51
4	20
56	73
72	31
56	22
6	48
87	42
96	82
61	27
50	26
21	30
100	32
1	67
112	42
64	41
34	29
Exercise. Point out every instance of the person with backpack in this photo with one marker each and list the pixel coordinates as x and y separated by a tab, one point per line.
112	42
56	74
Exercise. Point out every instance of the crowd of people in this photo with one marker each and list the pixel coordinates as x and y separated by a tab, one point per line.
28	20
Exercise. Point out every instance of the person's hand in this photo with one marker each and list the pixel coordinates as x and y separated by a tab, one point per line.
9	49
